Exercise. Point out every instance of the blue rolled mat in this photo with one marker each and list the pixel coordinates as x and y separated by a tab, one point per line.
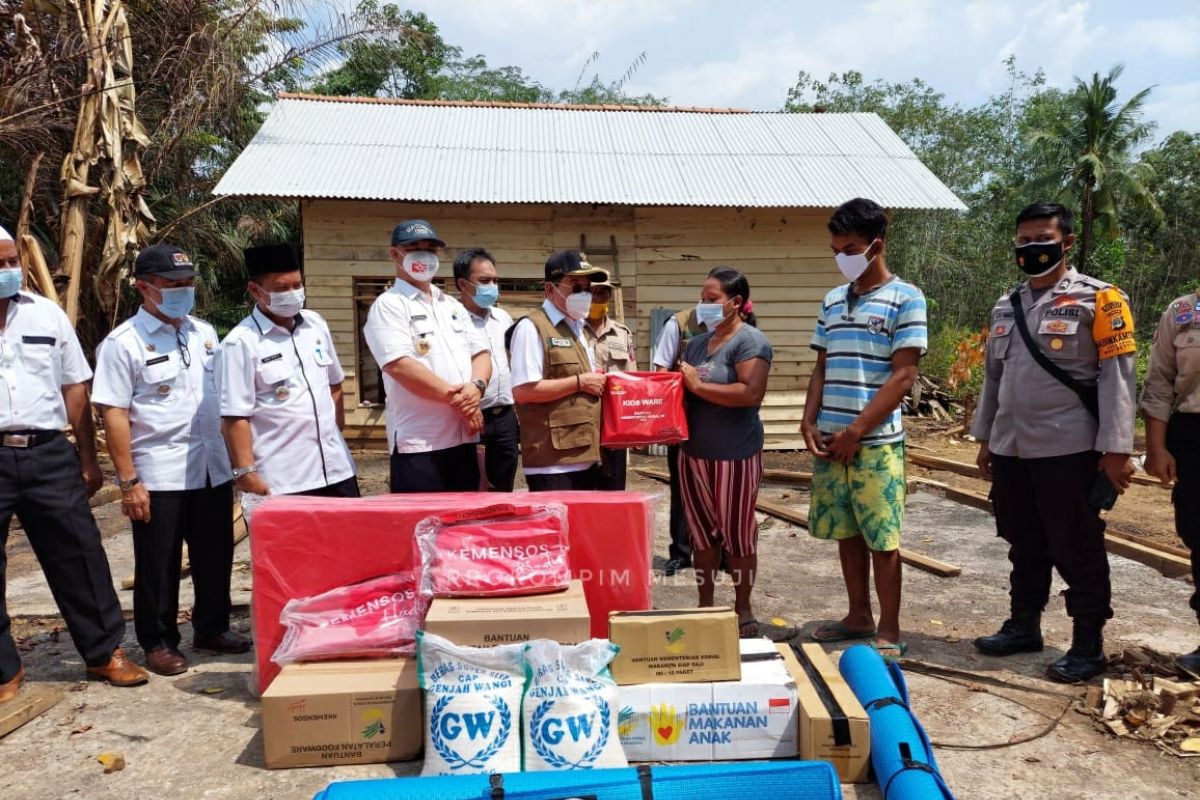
900	751
810	780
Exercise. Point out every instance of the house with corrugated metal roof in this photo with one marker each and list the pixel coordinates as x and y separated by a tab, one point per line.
657	196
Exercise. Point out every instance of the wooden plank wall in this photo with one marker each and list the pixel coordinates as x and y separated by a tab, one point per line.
662	257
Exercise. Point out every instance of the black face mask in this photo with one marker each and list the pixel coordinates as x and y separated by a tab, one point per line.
1039	258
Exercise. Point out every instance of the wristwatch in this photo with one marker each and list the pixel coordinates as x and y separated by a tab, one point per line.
481	385
241	472
127	486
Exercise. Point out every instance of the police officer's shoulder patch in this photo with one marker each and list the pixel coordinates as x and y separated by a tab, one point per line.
1112	327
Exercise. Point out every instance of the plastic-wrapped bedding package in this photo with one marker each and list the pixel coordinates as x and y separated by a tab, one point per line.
642	408
570	707
304	546
472	706
780	780
499	550
377	618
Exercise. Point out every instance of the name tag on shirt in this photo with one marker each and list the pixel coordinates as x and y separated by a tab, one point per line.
1060	327
618	346
556	342
158	360
418	317
38	340
275	357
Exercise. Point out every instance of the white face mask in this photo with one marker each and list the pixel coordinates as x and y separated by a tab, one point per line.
710	315
421	265
852	267
578	304
286	304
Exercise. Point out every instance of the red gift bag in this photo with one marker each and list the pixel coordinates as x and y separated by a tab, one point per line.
641	408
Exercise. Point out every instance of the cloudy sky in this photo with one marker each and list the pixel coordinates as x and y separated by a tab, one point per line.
747	54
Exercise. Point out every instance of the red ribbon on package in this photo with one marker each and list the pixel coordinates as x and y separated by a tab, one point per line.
377	618
498	550
641	408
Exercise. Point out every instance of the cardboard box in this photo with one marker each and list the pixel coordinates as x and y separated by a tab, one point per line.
486	622
834	727
675	646
343	712
752	718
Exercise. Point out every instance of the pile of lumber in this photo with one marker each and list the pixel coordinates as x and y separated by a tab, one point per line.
928	399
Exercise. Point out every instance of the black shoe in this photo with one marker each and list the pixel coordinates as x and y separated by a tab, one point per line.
675	565
1189	665
1085	659
1020	633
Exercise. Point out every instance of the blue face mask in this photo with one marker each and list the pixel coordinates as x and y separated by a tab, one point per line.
177	303
10	281
486	294
710	315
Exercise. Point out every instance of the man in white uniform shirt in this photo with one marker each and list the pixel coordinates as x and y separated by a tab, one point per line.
280	387
435	369
155	388
555	383
479	287
46	482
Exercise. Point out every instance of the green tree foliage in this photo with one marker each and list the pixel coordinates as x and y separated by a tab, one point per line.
1088	154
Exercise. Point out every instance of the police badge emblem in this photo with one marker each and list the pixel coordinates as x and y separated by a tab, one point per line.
281	392
423	346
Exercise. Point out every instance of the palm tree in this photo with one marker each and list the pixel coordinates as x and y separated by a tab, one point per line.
1088	155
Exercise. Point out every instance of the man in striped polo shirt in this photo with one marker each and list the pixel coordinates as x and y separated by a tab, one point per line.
869	337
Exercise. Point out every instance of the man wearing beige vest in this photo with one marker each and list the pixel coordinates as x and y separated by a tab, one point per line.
555	384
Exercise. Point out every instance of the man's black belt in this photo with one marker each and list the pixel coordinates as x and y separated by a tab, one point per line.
26	439
497	411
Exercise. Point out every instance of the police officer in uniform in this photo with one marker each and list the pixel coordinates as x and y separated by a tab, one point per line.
479	289
280	387
435	365
613	345
46	482
555	383
675	334
1171	405
156	390
1056	452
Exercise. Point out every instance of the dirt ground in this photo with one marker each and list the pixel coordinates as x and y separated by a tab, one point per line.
198	734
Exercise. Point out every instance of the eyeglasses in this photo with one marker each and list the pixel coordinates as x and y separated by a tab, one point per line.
185	355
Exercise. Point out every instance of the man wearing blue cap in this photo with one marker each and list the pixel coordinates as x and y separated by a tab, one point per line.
435	366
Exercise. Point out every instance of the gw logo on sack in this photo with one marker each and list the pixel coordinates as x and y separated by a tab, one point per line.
558	739
469	739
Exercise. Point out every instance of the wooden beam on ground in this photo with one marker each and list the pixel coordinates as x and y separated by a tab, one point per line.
33	700
656	474
972	471
796	517
930	564
788	476
1167	563
964	496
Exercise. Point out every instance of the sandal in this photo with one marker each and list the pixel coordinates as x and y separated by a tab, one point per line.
837	632
891	652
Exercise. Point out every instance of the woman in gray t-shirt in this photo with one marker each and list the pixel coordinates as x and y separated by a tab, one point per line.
725	372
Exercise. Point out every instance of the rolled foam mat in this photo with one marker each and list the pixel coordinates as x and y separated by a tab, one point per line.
900	751
793	780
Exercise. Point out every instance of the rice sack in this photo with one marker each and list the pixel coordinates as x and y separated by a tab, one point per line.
570	707
472	706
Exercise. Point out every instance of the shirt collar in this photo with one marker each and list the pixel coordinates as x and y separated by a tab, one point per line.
1064	283
266	324
553	313
23	296
413	293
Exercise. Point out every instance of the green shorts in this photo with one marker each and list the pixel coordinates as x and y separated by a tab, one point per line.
864	497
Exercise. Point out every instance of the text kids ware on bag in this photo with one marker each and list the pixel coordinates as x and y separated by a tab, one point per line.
570	708
472	706
377	618
642	408
495	551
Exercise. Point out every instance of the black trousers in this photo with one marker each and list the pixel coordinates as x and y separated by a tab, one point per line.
612	469
501	440
1042	511
1183	440
43	486
204	519
582	480
346	488
681	541
455	469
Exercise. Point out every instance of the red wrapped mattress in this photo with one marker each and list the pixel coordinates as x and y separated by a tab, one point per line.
303	546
